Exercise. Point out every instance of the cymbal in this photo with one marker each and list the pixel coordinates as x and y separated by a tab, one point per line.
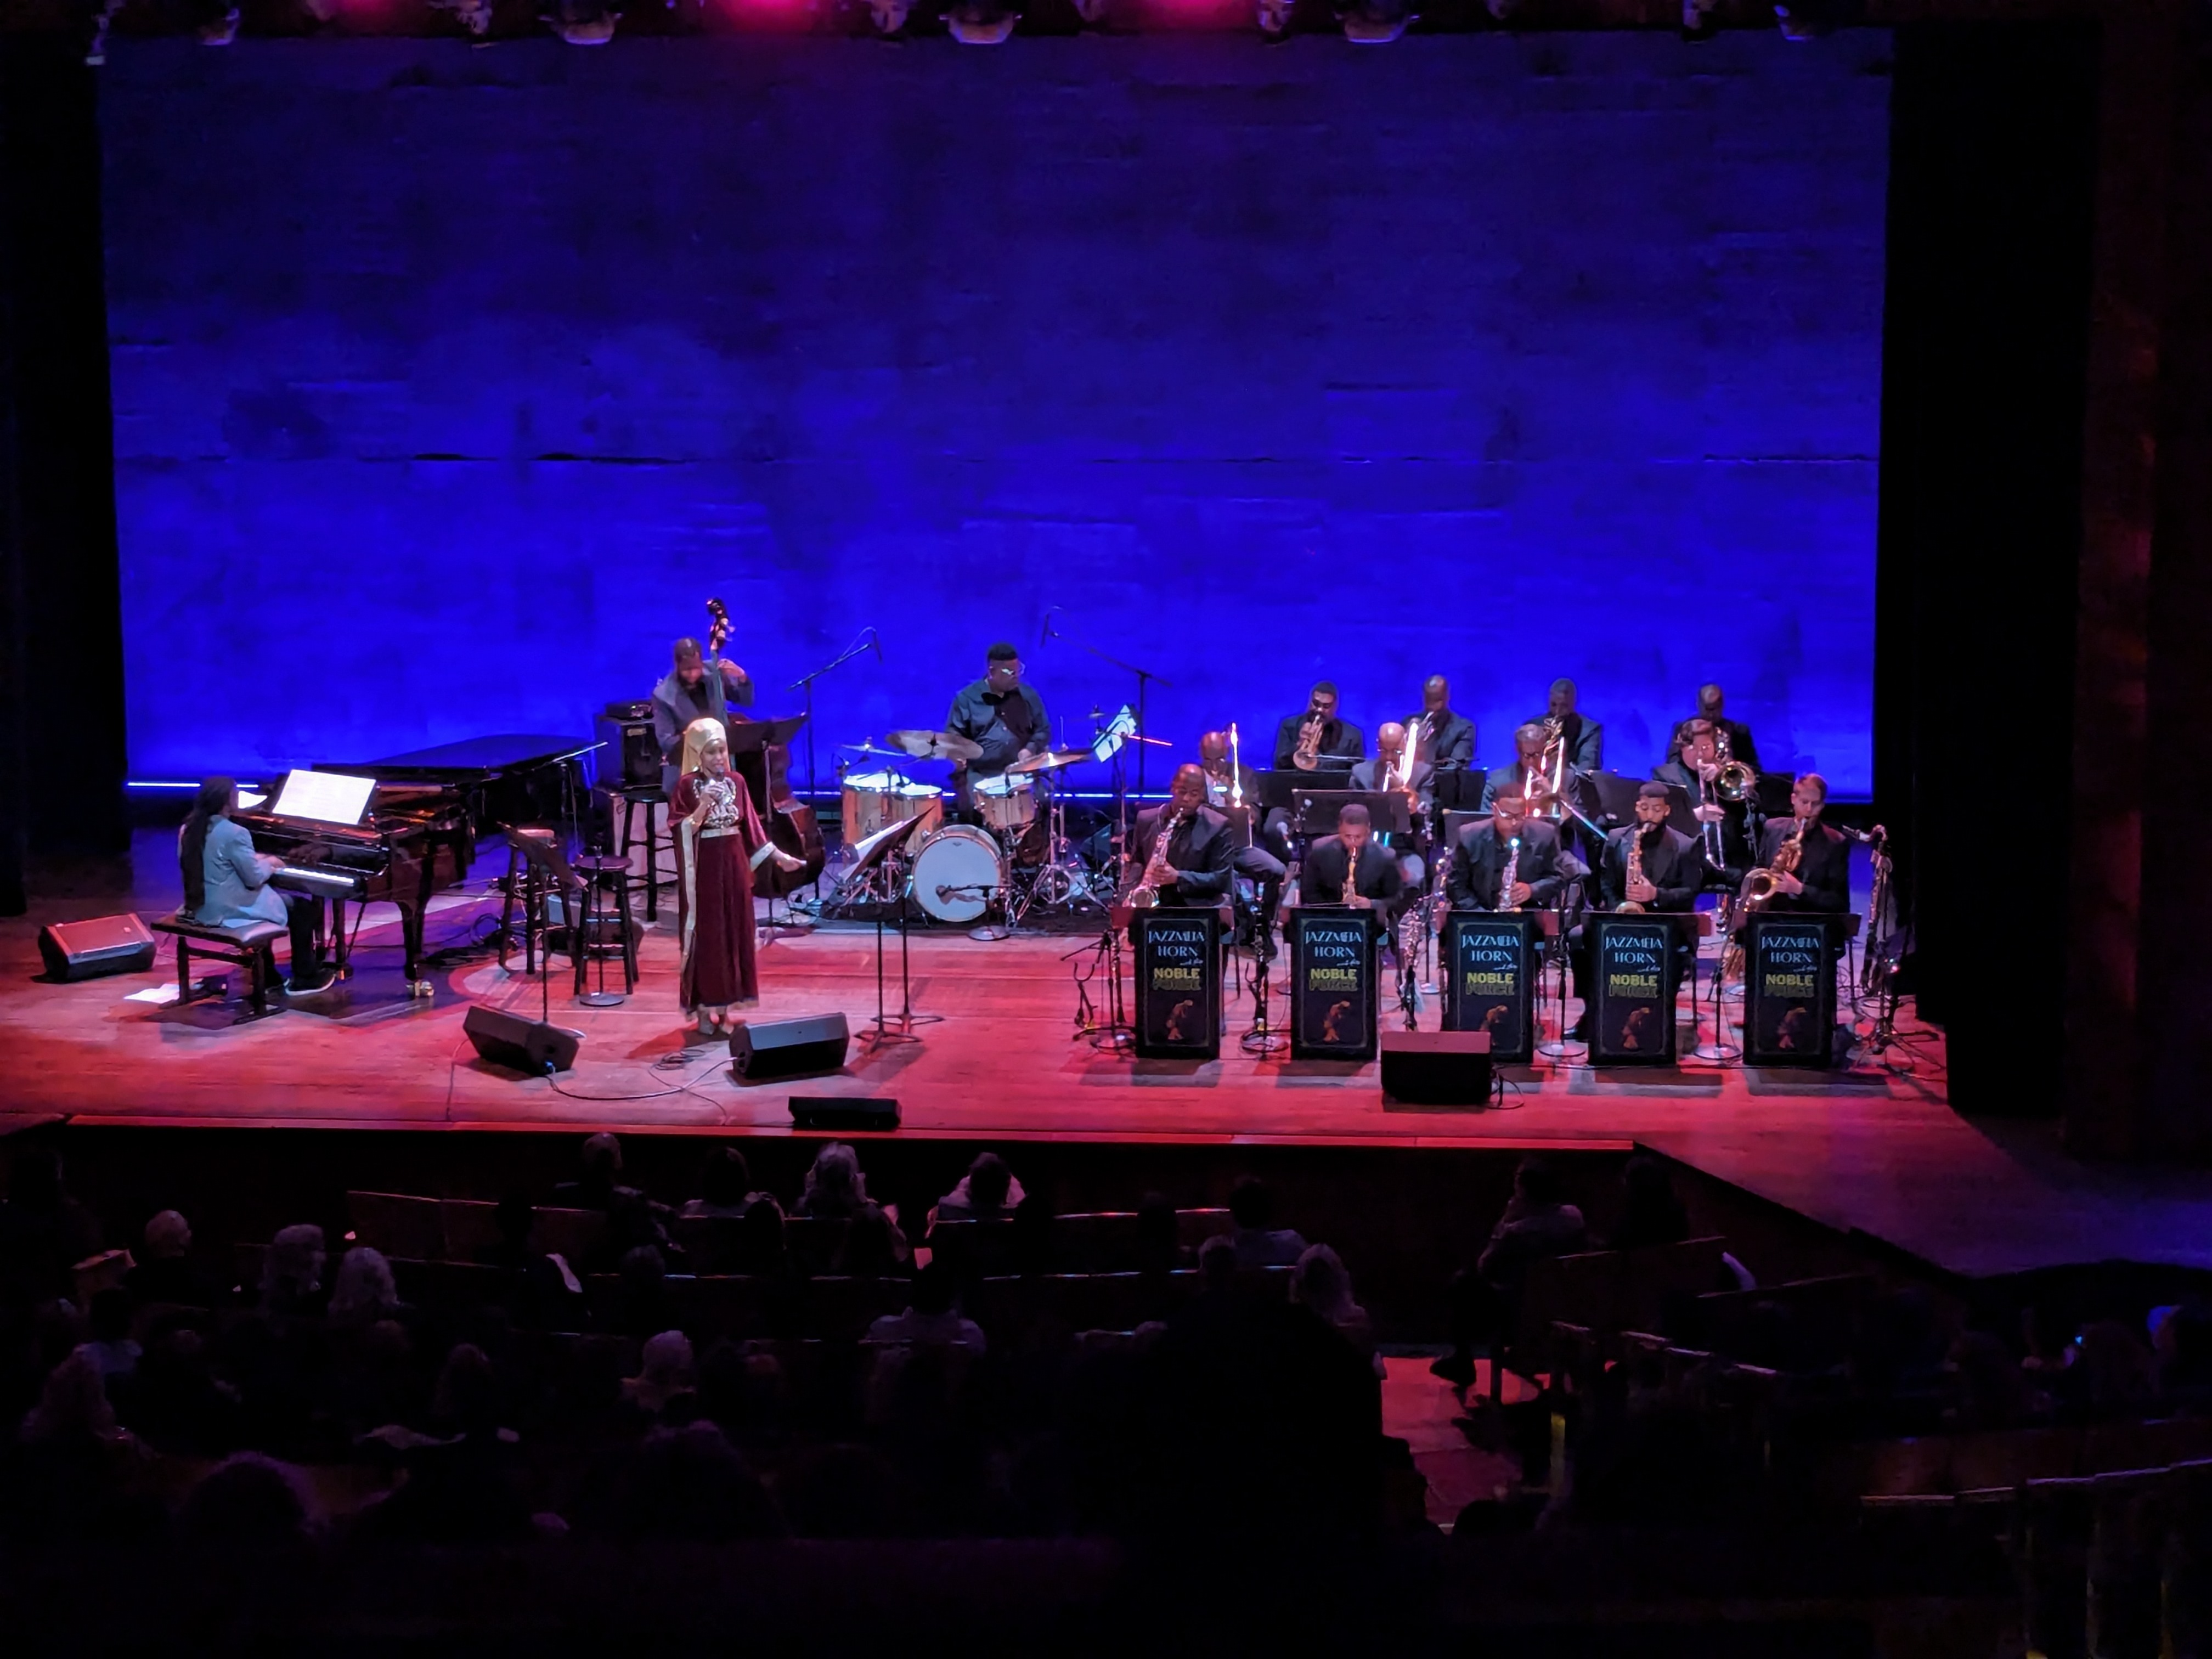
868	748
933	746
1051	761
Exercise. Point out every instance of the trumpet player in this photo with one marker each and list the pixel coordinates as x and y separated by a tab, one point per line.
1194	867
1348	868
1442	738
1584	739
1319	740
1669	875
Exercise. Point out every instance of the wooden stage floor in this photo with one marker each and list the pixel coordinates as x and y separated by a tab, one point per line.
1864	1147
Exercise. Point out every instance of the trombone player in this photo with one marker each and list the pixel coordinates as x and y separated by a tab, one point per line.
1437	735
1582	741
1724	798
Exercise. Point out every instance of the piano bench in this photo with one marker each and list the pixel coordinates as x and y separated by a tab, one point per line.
254	949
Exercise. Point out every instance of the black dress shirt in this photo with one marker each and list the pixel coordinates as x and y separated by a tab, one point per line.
1003	722
1321	877
1479	863
1824	865
1341	744
1673	863
1199	852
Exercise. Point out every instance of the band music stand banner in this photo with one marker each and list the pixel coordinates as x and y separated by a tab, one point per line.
1332	982
1178	956
1790	990
1489	985
1632	1003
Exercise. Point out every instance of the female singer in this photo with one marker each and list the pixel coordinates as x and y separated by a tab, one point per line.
718	843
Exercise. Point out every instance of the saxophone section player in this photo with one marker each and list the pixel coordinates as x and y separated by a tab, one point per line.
1182	851
1646	868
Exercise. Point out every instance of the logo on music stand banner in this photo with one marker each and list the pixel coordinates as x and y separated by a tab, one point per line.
1490	987
1332	965
1633	1018
1178	993
1790	1008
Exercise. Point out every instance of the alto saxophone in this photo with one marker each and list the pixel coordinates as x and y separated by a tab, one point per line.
1145	895
1629	907
1351	877
1760	888
1511	876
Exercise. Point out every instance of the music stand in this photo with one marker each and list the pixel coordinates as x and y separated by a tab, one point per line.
750	739
876	850
552	864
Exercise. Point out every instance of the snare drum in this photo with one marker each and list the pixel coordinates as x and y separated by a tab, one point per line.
876	800
958	874
1006	803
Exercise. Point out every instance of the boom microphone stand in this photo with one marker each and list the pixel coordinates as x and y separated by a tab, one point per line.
805	682
1146	678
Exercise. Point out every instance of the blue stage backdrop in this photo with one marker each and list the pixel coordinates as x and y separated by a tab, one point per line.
450	383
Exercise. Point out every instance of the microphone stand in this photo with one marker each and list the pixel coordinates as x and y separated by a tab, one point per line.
805	682
1146	678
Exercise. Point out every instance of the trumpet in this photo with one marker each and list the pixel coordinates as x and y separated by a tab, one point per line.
1307	755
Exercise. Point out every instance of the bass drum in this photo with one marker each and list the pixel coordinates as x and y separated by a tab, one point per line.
958	874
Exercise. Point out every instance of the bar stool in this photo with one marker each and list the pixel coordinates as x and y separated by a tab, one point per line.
605	876
647	795
532	893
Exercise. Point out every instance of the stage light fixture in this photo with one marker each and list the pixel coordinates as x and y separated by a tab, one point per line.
581	23
982	22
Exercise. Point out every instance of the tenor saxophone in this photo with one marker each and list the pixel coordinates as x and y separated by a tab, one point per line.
1629	907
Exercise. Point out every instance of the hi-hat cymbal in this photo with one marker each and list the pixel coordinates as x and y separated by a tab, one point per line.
934	746
1051	761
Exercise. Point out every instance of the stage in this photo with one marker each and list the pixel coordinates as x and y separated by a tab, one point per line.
1869	1146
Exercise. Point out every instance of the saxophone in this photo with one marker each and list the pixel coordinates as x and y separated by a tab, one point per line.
1629	907
1760	888
1145	895
1351	892
1510	875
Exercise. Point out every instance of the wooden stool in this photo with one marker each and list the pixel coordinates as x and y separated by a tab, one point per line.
532	895
254	949
607	875
647	795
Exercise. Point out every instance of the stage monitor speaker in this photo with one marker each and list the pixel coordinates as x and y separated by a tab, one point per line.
86	949
521	1045
632	757
836	1112
1437	1068
768	1049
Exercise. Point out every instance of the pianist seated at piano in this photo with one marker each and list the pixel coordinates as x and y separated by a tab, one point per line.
226	883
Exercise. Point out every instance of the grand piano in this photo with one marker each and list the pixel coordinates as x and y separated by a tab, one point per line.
419	833
417	839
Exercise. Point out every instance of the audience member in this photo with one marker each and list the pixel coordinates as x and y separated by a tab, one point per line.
988	1192
873	1246
725	1187
292	1273
111	1347
249	1502
645	1304
664	1375
162	1270
364	1291
597	1185
176	1403
1160	1249
759	1247
931	1316
834	1187
691	1484
1538	1221
1320	1283
464	1489
1651	1212
1260	1242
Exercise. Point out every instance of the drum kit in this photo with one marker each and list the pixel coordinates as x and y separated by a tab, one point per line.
902	850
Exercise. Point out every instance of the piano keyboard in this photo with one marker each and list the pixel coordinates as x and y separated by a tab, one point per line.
323	881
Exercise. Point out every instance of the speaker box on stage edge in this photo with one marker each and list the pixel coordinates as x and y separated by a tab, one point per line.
104	945
520	1044
768	1049
1437	1068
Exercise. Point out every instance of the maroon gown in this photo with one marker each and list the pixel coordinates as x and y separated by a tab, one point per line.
714	889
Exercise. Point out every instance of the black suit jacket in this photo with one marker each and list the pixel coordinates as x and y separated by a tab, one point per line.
1367	776
1674	863
1825	867
1453	748
1737	852
1341	744
1199	853
1321	877
1585	740
1246	776
1479	861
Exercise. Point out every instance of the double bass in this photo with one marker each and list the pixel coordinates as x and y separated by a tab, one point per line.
790	822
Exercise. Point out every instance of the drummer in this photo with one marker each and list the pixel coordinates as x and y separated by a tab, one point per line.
1001	716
